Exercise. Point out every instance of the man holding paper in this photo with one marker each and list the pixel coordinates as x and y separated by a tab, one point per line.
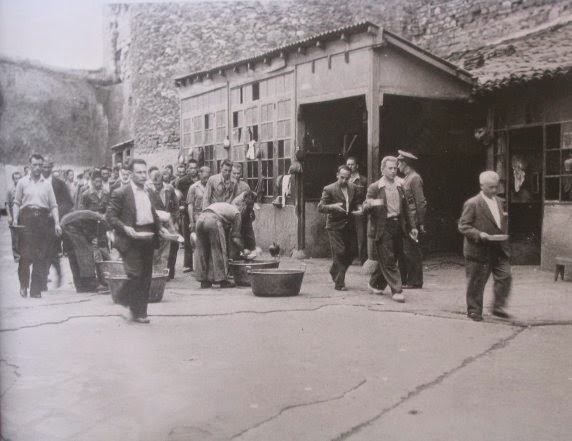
391	218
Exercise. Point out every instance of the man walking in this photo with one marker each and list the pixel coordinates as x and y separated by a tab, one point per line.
338	201
482	221
391	218
130	213
33	203
360	221
411	265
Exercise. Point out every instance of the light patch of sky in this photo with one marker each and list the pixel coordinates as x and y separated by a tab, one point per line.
59	33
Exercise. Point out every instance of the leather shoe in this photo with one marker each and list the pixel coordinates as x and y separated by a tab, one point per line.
141	320
187	270
412	286
36	296
206	285
501	314
475	317
340	288
398	297
24	292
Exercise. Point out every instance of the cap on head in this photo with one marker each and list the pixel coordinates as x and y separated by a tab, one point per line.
406	156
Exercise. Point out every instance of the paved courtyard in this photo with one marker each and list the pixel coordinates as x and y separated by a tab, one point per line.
326	365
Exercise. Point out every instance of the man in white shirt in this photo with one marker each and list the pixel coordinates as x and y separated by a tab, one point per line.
483	223
130	213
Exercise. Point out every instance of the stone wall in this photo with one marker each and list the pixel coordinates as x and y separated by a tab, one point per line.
149	44
64	114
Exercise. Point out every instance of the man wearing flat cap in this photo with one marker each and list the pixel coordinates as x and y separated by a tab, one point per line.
412	259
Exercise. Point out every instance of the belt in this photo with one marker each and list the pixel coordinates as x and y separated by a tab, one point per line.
36	210
393	218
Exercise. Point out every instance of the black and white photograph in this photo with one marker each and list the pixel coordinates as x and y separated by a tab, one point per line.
285	220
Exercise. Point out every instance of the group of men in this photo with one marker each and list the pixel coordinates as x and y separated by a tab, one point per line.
130	201
394	210
380	223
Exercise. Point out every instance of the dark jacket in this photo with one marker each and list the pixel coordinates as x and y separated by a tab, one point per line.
361	188
477	218
171	204
92	202
332	194
378	215
121	212
413	185
63	197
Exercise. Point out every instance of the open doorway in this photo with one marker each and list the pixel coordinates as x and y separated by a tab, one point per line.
441	134
332	131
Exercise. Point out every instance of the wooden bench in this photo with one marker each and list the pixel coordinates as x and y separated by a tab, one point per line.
561	263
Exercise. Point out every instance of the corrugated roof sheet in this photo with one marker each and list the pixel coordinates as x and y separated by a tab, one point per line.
536	56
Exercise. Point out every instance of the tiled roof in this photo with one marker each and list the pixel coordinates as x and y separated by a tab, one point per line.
540	55
355	28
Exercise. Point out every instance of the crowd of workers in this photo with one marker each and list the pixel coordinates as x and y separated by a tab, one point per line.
146	213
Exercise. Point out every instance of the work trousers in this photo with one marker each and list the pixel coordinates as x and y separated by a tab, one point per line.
411	263
212	249
342	255
477	276
387	249
186	233
138	265
34	248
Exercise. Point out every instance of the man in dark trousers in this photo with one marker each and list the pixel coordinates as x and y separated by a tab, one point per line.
183	184
391	218
163	198
360	221
338	201
483	219
36	210
411	264
131	213
65	206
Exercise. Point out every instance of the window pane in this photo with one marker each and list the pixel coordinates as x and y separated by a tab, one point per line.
281	149
566	130
553	162
552	189
567	188
553	136
270	150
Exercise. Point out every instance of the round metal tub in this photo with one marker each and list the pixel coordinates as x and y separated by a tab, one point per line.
276	282
156	290
240	269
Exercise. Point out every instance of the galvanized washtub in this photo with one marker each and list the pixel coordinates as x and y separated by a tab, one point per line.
240	269
276	282
111	267
156	290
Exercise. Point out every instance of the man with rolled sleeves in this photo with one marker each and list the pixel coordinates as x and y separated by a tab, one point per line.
411	264
35	208
338	201
482	219
391	218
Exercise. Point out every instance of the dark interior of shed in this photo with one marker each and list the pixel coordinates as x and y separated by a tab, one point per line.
441	134
333	131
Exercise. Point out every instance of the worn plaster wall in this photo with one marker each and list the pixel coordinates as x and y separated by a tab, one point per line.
556	237
54	112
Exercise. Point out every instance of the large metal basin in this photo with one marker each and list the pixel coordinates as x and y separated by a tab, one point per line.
240	269
156	289
276	282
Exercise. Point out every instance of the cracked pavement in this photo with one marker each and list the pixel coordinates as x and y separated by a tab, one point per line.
326	365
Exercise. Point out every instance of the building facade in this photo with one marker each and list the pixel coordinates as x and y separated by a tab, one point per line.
355	91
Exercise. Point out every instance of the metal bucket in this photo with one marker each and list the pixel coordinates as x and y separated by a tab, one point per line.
276	282
156	290
240	269
111	267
